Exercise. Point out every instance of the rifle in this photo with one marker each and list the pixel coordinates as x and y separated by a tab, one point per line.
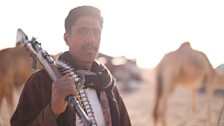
51	67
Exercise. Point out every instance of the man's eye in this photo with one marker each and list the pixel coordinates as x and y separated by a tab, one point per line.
97	32
86	31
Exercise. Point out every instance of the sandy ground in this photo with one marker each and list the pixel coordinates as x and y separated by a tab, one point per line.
140	99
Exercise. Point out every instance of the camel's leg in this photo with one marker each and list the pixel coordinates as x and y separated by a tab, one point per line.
209	93
155	112
158	95
163	110
156	109
9	98
168	89
194	99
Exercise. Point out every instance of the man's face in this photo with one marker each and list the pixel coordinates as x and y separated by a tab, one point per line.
84	39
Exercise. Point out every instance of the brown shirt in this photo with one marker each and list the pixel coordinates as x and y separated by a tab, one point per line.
34	108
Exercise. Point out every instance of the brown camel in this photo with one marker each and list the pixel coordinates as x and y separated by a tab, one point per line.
189	68
15	68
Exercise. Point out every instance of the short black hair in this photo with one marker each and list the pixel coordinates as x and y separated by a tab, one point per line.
75	13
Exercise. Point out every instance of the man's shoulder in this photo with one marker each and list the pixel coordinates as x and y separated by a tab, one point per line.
39	76
38	81
41	73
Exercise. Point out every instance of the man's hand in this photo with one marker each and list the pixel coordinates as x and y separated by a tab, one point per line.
61	89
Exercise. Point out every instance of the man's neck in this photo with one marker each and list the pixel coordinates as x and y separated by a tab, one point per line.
83	64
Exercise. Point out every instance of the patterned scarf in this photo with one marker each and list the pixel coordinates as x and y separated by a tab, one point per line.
98	78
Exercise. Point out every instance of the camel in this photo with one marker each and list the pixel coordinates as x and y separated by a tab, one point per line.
15	68
186	67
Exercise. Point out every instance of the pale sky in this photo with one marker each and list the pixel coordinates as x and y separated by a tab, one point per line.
145	30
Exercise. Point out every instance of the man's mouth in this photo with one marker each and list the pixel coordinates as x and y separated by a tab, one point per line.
89	48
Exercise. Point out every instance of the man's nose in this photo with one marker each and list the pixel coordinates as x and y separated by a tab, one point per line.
90	37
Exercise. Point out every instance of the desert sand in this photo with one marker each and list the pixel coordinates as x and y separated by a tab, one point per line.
140	103
140	100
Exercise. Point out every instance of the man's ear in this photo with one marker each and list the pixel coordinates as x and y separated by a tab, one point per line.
66	38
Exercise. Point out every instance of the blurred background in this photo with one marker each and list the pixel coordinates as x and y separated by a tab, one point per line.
136	35
144	30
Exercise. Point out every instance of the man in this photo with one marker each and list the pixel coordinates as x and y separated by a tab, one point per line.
43	102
